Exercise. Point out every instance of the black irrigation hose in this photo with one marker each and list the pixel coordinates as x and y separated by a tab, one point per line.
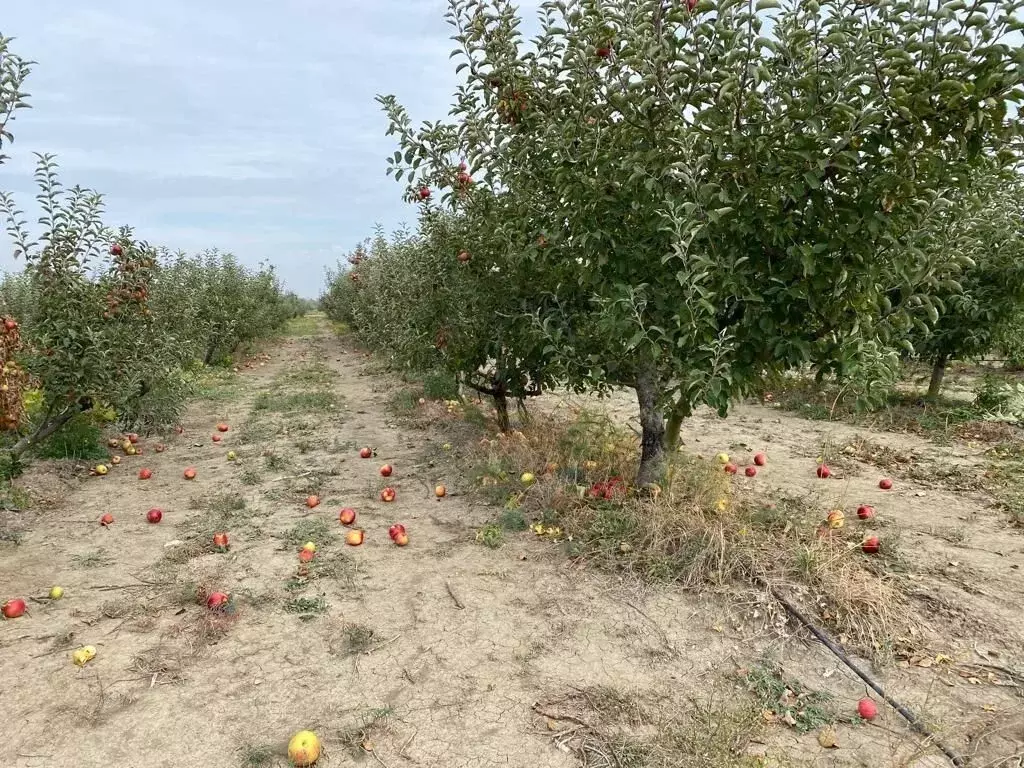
958	760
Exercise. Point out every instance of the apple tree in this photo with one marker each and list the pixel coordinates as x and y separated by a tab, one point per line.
983	305
736	186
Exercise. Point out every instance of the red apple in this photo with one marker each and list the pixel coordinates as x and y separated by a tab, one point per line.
216	601
604	51
12	609
464	256
885	483
133	438
750	471
867	709
823	471
190	473
386	470
154	515
216	438
306	555
312	501
115	250
865	511
395	530
365	453
220	540
388	494
107	519
440	491
347	516
424	193
730	469
222	427
691	4
10	324
871	545
145	473
401	539
760	459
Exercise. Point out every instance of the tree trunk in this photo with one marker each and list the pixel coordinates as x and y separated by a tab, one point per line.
674	424
48	428
652	425
938	374
501	406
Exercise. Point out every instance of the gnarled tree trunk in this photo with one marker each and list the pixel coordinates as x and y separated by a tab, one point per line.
938	374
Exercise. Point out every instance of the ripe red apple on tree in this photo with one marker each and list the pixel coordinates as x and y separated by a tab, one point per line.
116	250
871	545
885	483
145	473
107	519
823	471
603	51
154	515
424	193
760	459
865	511
386	470
464	256
13	608
347	516
750	471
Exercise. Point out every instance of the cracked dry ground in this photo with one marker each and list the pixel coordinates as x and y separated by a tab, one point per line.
444	653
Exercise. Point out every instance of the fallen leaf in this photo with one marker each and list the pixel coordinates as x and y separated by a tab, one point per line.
827	737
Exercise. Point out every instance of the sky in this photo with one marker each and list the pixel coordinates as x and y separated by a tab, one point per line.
246	125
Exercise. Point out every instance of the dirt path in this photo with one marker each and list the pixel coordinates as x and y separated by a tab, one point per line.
442	654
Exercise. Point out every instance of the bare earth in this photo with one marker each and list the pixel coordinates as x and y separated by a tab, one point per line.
447	653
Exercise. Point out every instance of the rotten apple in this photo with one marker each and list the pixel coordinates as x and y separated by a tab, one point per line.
388	494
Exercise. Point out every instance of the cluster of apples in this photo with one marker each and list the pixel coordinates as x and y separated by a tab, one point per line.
837	518
759	460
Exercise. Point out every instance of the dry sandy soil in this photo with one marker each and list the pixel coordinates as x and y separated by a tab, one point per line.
447	653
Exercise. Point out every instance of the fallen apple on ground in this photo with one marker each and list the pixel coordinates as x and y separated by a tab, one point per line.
730	469
312	501
13	608
865	511
133	438
823	471
216	438
145	473
386	470
216	601
750	471
527	478
220	540
867	709
760	459
190	473
365	453
306	555
836	518
347	516
107	519
395	530
115	460
101	469
159	448
871	545
232	455
722	458
388	494
222	427
154	515
440	491
310	546
354	538
885	483
56	593
401	539
304	749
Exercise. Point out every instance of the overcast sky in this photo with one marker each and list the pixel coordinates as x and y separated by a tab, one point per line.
247	125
